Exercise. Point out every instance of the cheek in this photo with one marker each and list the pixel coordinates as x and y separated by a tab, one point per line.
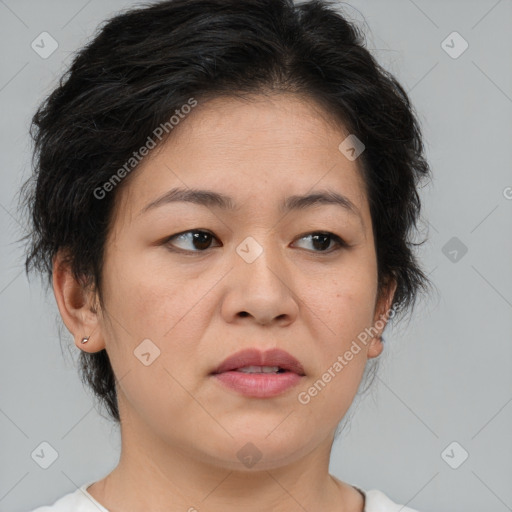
159	303
159	394
347	299
343	308
138	292
345	313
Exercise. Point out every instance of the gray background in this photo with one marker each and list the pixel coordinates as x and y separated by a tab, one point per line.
445	376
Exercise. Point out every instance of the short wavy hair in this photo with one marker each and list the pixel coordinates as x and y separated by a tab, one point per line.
146	62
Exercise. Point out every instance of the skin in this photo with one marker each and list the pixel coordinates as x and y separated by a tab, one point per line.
180	428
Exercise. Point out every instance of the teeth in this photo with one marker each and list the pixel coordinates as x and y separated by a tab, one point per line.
258	369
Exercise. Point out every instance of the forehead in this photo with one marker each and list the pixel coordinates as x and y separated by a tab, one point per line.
257	151
260	122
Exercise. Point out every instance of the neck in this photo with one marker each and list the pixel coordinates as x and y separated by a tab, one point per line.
154	475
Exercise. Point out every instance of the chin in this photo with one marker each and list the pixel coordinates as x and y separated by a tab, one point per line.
257	450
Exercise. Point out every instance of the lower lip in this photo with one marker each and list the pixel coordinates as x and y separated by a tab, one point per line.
259	385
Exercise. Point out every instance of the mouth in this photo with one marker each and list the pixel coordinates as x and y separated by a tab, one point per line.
260	374
261	369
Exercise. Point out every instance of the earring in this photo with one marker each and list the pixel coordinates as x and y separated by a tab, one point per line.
85	340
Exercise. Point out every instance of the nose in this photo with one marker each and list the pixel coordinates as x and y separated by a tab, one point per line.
261	291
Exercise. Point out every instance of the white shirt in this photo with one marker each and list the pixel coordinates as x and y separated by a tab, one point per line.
81	501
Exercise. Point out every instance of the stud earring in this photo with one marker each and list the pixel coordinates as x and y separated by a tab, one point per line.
86	339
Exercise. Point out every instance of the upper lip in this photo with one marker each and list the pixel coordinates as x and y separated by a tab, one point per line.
255	357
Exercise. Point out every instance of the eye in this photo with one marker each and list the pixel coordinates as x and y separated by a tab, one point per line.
322	240
199	240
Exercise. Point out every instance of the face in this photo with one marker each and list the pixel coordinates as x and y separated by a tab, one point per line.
186	285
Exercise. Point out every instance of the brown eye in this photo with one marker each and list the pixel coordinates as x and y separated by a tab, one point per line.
197	240
193	240
321	241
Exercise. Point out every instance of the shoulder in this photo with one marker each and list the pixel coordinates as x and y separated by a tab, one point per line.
77	501
377	501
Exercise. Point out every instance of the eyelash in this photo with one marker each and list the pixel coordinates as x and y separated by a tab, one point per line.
341	243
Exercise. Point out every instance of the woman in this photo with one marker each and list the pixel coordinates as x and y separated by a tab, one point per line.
223	199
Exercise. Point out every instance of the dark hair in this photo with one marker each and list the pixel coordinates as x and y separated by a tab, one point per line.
147	62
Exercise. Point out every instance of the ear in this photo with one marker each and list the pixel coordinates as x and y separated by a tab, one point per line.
380	319
77	306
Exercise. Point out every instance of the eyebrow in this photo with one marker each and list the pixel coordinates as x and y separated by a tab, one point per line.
212	199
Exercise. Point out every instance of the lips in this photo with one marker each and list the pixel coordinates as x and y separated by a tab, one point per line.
261	385
255	357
